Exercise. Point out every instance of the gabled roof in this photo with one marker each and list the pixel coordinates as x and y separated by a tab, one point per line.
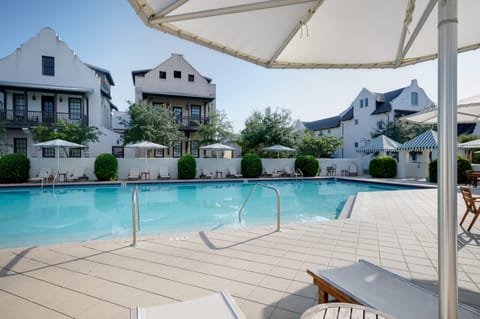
348	115
380	143
104	71
324	124
383	101
426	141
139	72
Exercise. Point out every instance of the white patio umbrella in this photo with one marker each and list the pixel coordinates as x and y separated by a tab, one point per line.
145	145
57	143
468	111
217	147
334	34
278	148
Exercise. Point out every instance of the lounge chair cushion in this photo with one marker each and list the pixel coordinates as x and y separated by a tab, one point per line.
218	306
375	287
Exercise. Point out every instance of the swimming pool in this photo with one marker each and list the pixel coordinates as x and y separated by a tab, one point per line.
32	216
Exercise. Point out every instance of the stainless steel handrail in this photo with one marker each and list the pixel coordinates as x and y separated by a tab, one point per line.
135	213
250	195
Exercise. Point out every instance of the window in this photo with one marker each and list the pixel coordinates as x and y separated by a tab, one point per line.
177	149
177	112
194	148
361	103
196	113
356	144
191	78
74	108
159	153
75	152
177	74
414	98
48	65
118	151
356	122
366	102
19	106
48	152
20	146
328	131
162	74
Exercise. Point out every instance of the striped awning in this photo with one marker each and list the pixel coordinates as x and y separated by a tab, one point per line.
380	143
425	141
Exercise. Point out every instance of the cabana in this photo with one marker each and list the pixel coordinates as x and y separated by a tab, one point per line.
383	145
415	155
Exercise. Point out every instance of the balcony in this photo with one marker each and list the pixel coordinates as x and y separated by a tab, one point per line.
12	119
188	123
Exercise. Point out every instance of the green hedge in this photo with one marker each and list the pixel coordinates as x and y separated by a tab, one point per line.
14	168
462	165
251	166
187	167
106	167
308	164
383	167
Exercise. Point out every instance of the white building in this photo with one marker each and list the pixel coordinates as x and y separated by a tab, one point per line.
357	122
42	82
191	96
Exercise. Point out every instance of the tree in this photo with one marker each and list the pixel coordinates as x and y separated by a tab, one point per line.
399	131
261	130
319	146
154	123
71	132
218	128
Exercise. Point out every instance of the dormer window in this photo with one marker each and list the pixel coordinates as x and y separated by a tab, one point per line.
162	75
177	74
48	65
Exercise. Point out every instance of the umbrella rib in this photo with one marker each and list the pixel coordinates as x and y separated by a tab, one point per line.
402	52
294	31
161	19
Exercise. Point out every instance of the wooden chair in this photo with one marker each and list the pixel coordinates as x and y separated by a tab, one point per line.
471	204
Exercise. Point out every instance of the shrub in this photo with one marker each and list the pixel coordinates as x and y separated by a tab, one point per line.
251	166
14	168
187	167
308	164
383	167
462	165
106	167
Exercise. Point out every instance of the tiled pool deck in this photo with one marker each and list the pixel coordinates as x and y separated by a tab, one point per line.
263	270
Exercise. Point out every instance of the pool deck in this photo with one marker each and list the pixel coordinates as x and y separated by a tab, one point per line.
264	270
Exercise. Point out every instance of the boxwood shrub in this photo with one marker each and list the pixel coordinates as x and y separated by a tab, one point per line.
187	167
308	164
383	167
462	165
14	168
106	167
251	166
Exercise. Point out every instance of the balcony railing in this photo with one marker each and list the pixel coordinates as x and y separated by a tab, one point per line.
10	118
191	123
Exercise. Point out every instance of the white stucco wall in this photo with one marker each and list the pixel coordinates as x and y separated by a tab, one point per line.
151	82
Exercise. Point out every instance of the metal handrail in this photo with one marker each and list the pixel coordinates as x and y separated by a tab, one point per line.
135	213
250	195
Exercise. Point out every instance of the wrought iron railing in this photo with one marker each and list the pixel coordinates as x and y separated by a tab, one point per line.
31	118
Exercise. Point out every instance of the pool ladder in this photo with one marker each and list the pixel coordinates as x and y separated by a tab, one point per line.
250	195
135	215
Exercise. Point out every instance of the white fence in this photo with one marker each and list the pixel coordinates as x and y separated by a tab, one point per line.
153	165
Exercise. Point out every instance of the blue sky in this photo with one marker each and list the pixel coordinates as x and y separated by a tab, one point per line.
108	34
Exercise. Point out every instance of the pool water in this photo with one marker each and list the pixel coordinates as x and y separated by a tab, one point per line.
32	216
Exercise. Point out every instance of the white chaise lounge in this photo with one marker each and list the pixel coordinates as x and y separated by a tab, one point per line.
218	306
372	286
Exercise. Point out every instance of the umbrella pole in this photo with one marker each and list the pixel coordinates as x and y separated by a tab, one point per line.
447	172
